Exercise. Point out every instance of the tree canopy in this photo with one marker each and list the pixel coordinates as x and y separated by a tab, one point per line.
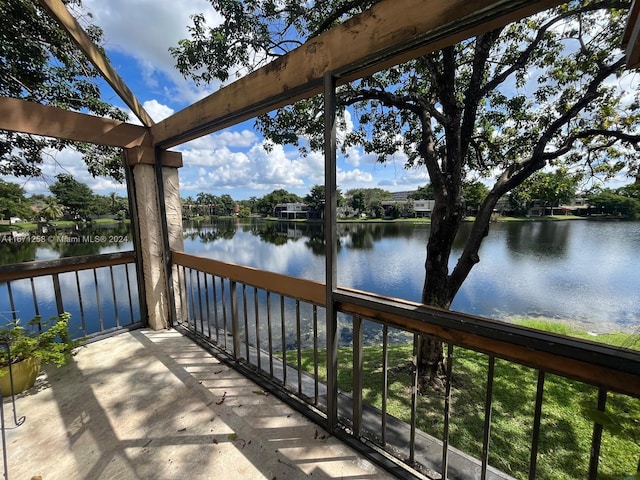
39	63
12	201
74	195
549	188
505	104
608	202
547	90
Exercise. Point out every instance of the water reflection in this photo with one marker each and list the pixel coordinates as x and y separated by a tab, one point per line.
583	272
545	239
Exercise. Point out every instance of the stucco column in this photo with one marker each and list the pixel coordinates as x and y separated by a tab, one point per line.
174	226
152	249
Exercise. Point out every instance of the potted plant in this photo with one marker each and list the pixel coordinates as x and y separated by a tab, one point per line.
27	347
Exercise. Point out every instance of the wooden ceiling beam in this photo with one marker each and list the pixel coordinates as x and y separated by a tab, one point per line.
57	11
391	32
32	118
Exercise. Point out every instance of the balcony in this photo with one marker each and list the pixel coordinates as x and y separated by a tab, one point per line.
253	377
153	404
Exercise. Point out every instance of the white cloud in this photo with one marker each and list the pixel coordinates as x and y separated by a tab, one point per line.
353	179
67	162
145	29
227	138
156	110
255	169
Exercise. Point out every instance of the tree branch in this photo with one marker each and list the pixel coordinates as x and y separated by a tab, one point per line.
409	102
521	61
590	95
567	145
474	93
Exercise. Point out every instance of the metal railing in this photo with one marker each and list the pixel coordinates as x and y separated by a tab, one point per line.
100	291
273	328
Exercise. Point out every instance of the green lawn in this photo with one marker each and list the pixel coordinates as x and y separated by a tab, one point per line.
566	429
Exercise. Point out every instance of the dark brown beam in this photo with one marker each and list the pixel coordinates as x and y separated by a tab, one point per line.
391	32
32	118
57	10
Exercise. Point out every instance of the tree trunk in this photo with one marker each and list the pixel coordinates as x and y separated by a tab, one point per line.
438	290
430	363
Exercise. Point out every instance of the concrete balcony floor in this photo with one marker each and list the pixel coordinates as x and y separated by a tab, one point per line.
154	405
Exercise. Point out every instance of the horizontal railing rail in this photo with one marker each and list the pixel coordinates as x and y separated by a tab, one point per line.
100	291
613	368
274	325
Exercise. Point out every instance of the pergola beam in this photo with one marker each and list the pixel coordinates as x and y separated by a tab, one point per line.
57	11
389	33
32	118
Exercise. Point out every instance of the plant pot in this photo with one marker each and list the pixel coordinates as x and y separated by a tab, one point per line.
24	376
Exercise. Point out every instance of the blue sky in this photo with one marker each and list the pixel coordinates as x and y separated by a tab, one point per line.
138	34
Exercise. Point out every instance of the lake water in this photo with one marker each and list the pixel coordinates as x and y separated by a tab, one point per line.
583	272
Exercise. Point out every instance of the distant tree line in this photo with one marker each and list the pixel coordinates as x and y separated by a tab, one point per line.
70	199
545	189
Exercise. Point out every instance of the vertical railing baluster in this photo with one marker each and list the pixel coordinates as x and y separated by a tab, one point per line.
12	305
596	439
256	308
414	402
191	318
98	302
235	321
34	296
284	341
447	412
299	346
269	331
206	296
115	298
215	307
126	272
81	305
535	437
224	312
316	381
200	302
385	382
357	376
488	407
58	293
246	321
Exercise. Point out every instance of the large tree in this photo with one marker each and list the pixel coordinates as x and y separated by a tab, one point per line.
549	89
550	189
39	63
76	197
13	202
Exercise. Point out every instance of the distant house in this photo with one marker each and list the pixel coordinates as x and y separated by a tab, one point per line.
291	211
577	206
423	208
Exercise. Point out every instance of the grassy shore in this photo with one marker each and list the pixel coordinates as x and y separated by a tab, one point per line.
566	427
500	219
